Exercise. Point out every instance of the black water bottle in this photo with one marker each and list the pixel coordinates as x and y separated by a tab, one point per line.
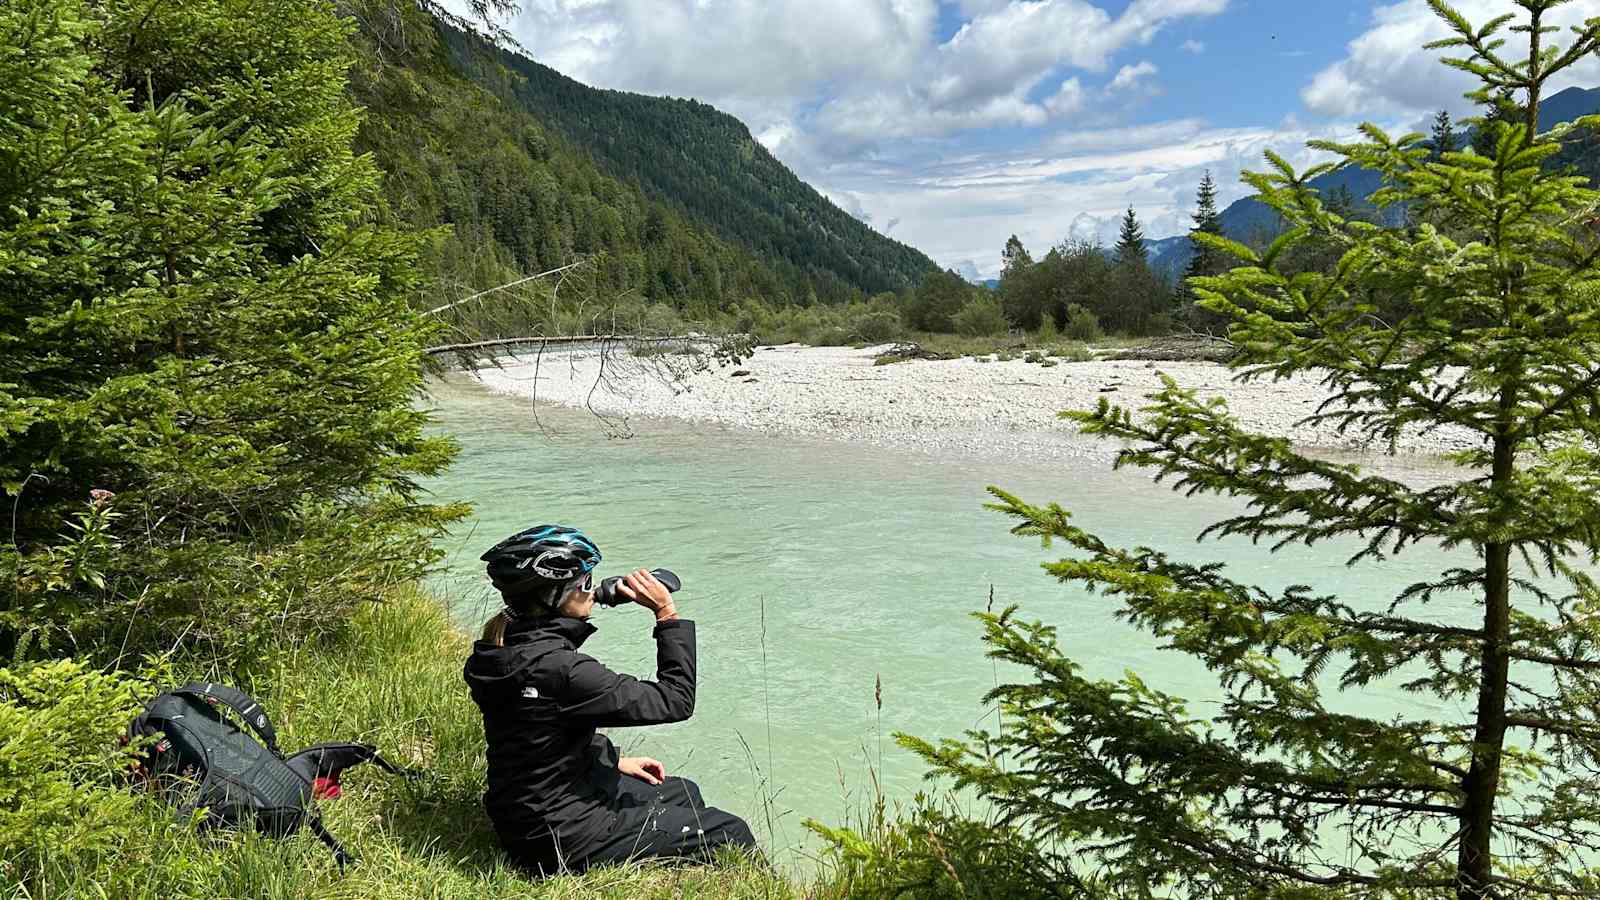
606	594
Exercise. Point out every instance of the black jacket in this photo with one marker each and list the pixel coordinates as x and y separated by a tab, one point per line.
552	779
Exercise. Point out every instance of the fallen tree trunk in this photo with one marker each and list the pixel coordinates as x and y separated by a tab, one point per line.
1180	348
558	339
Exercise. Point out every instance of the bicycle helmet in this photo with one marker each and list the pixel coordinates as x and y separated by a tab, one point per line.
539	559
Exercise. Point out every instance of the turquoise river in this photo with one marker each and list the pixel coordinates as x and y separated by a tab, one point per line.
817	571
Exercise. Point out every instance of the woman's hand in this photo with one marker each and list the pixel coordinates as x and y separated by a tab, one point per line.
646	590
643	768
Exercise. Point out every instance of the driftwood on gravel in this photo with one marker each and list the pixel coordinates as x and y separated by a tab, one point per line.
910	350
1180	348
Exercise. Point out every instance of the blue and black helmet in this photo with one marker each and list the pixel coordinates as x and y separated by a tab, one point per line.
542	557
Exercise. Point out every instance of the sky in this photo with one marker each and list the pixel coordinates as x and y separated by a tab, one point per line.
954	124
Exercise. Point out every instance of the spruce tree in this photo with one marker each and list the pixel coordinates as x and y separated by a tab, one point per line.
1290	785
1204	259
1130	242
1499	106
1207	218
1443	140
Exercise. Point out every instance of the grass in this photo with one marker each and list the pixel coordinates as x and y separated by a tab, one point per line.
394	680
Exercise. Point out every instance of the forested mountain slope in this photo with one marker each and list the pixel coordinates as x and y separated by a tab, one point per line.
706	164
519	198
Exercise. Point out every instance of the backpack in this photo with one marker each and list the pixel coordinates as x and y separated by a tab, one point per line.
201	759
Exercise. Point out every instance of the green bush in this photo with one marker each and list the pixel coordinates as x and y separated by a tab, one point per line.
1081	324
981	317
875	326
1048	333
63	796
935	853
937	301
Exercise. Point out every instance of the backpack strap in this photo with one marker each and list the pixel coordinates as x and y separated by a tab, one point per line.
340	855
331	759
241	703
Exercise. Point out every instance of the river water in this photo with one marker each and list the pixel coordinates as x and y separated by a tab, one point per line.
824	575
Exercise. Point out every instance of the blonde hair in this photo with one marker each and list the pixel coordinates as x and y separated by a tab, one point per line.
494	630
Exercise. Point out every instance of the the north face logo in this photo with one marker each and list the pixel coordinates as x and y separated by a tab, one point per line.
530	693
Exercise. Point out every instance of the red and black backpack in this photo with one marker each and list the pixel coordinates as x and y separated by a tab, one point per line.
202	760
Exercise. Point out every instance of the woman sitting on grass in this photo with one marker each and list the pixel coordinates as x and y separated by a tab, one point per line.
560	797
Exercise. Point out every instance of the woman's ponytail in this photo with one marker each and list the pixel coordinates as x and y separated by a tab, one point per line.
494	630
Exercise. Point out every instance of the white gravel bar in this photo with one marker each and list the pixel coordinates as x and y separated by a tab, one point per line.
998	410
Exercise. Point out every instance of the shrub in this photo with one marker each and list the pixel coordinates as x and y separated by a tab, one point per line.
61	769
982	317
937	301
876	325
937	853
1048	333
1081	324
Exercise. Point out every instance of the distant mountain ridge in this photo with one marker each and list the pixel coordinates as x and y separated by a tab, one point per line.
706	164
1248	217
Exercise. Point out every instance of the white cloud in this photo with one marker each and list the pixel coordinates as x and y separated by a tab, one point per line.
718	48
1130	76
1386	71
863	100
1071	185
1067	99
1193	46
854	68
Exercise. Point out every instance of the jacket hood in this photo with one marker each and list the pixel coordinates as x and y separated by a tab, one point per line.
526	641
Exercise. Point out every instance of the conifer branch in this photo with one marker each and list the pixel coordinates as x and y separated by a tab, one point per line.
1560	662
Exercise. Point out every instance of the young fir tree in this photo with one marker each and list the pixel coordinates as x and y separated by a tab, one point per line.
1289	786
1130	242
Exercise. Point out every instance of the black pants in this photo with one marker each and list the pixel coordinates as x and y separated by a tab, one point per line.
666	821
